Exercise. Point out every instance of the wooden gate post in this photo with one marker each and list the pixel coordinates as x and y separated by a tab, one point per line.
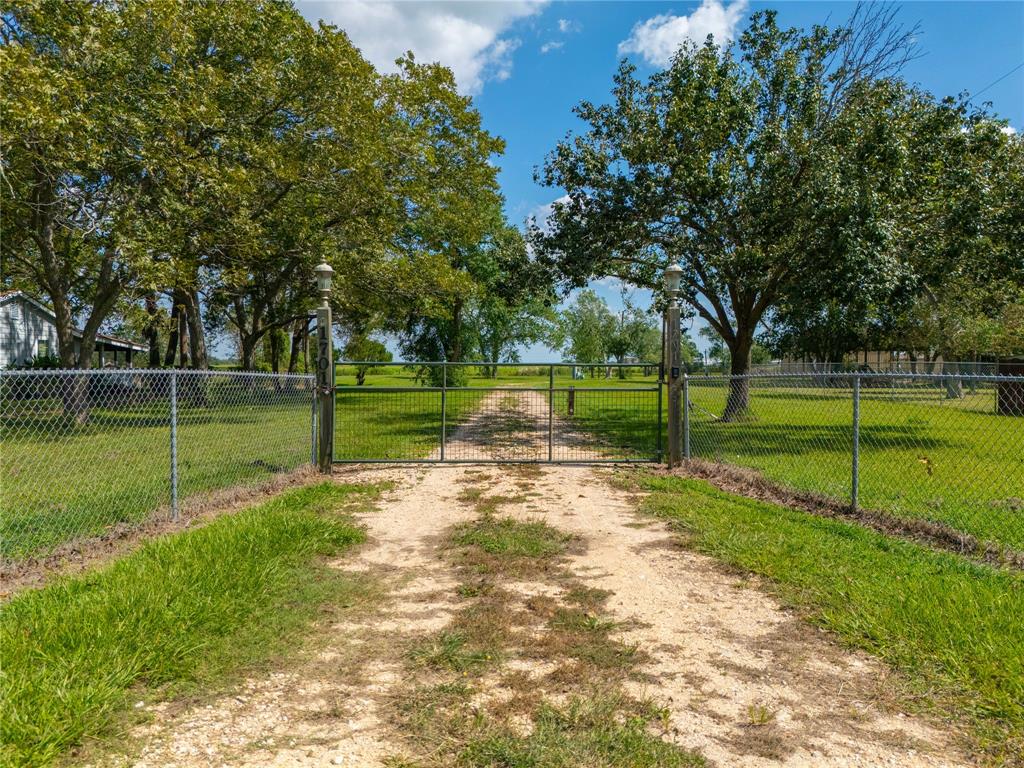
324	372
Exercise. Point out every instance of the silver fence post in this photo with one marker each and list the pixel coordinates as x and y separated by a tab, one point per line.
551	413
854	488
174	446
686	416
444	405
661	386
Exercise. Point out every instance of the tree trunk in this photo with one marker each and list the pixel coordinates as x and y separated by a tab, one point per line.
952	383
196	332
737	404
454	355
296	348
183	344
172	337
276	349
153	331
247	346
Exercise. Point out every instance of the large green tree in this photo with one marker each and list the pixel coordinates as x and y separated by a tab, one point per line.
585	328
762	168
77	100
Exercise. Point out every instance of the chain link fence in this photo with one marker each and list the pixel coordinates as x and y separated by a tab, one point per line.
947	450
86	452
873	365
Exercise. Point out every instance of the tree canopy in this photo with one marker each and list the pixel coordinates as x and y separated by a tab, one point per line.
177	169
778	170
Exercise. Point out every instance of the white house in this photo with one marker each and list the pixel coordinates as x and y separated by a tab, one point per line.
27	330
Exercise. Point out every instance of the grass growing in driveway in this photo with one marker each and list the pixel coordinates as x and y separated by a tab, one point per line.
193	607
512	538
547	657
954	627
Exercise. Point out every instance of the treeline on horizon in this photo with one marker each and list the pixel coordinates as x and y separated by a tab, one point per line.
174	171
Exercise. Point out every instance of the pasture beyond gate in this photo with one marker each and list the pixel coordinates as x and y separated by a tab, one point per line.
490	413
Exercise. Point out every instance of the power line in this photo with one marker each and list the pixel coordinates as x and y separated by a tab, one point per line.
997	80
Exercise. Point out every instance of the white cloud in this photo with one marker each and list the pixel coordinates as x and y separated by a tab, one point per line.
1008	130
660	36
553	45
540	214
566	26
469	37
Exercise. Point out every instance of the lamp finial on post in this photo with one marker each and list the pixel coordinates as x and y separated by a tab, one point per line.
324	275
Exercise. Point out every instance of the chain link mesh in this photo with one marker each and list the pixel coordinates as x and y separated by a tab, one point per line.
939	448
87	451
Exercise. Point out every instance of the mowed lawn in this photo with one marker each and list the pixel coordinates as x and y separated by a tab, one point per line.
921	456
60	481
187	611
954	462
952	627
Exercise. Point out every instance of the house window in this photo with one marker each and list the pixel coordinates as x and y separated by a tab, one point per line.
43	348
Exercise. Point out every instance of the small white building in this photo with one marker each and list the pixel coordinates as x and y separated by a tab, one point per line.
28	330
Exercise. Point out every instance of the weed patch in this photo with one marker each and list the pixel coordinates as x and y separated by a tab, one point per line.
509	538
607	730
492	715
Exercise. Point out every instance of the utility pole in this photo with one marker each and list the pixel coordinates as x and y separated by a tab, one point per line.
673	277
325	371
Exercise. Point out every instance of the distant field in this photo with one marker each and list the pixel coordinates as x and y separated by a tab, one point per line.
407	425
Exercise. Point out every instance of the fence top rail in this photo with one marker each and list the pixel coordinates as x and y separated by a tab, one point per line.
894	375
152	372
369	388
486	364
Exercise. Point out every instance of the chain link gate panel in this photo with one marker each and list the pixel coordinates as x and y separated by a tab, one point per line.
507	413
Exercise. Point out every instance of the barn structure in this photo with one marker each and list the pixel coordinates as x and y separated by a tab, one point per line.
28	330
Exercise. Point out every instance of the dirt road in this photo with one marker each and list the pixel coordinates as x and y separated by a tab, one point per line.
722	655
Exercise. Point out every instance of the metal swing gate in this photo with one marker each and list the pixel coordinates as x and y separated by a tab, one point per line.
497	413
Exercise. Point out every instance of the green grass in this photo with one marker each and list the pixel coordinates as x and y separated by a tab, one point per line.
190	608
921	456
952	626
582	732
511	538
953	462
60	481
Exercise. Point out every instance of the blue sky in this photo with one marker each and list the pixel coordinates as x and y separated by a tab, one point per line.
527	62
